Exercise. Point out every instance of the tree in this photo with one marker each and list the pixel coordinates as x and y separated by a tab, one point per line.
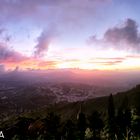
127	123
70	130
119	121
123	120
22	127
96	124
111	119
52	123
136	115
137	99
136	127
82	125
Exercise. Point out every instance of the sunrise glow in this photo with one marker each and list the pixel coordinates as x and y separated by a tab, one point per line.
69	35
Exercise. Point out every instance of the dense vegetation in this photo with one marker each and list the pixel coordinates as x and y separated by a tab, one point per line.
107	118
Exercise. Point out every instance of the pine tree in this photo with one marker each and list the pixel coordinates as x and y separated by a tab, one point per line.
82	125
70	131
136	119
52	123
123	120
119	122
111	119
96	124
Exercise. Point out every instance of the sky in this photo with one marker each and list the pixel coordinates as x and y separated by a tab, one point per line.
58	34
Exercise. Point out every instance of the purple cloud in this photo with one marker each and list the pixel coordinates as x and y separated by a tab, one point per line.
127	33
2	68
122	37
40	10
9	55
43	43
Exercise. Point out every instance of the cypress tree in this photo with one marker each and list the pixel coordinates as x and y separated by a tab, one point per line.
81	125
111	119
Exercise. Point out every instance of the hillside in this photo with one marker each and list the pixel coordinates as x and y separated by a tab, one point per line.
70	110
34	121
99	104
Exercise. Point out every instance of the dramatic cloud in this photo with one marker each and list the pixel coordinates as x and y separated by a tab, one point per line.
9	55
11	59
2	68
128	33
44	40
122	37
70	22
